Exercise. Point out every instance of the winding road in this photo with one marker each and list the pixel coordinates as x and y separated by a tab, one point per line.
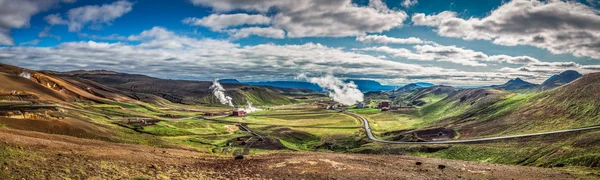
367	128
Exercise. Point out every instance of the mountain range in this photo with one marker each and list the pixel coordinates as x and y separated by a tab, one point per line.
556	80
363	85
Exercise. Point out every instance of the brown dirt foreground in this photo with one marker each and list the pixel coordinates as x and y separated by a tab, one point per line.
33	155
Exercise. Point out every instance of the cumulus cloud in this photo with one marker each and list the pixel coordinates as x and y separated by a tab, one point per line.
513	59
398	52
257	31
383	39
317	18
93	15
17	13
158	51
54	19
558	26
452	54
432	20
543	70
409	3
218	22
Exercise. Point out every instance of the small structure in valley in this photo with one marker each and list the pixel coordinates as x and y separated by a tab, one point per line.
238	113
360	105
384	105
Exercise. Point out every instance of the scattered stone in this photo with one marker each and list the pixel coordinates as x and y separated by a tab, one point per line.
59	154
441	166
153	166
239	157
164	152
419	163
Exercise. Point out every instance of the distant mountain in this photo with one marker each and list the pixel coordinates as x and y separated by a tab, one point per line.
234	81
424	84
515	84
412	87
287	84
407	88
135	86
370	85
363	85
560	79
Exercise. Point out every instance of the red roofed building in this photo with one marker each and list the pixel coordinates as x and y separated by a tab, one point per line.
238	113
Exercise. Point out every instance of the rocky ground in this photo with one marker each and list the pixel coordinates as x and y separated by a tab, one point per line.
32	155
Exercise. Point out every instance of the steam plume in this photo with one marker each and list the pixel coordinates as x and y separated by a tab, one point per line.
250	109
25	75
344	93
219	93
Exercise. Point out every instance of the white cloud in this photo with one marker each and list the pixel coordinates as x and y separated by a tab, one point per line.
452	54
513	59
409	3
383	39
544	70
435	52
218	22
17	13
5	38
30	43
257	31
93	15
159	52
317	18
398	52
46	33
558	26
54	19
432	20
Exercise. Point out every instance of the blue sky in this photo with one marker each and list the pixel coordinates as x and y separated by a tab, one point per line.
458	42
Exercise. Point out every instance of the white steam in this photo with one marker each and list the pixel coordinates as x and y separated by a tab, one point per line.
344	93
219	92
250	109
25	75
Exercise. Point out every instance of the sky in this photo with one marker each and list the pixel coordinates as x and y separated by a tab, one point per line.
453	42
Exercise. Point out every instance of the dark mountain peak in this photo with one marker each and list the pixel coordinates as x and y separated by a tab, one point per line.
407	88
515	84
570	73
517	81
561	79
424	84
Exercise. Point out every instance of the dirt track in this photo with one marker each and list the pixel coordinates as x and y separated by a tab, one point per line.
367	128
33	155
